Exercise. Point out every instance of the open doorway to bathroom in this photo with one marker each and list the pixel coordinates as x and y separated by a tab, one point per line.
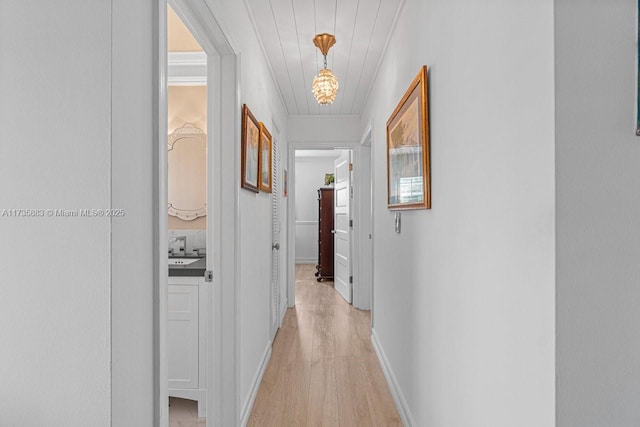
187	291
208	364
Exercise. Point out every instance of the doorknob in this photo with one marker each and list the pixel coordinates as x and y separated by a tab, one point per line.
276	246
333	231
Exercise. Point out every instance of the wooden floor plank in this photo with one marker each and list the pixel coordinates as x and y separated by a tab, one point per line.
323	369
323	406
353	407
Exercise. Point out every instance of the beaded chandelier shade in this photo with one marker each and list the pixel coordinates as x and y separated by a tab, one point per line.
325	84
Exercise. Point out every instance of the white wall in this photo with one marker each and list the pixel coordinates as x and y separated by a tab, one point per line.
598	206
464	296
76	309
259	92
325	129
77	312
309	178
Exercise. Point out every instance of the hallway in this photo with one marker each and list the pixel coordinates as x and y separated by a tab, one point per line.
323	369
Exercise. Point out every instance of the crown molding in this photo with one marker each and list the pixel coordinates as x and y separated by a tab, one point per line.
187	69
324	116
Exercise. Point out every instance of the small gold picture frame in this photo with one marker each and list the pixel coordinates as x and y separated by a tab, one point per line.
250	150
265	164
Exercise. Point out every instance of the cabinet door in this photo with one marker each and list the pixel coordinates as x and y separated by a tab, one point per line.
182	336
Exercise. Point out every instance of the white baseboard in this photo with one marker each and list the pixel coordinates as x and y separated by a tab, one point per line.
283	312
307	260
257	379
396	392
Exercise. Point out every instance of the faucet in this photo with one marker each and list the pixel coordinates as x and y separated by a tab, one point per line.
179	243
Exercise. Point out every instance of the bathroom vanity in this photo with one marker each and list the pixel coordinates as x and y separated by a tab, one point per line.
186	330
188	294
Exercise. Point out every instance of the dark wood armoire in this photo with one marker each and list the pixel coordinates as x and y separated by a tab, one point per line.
325	234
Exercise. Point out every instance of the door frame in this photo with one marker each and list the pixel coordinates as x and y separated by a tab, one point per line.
363	296
223	124
358	213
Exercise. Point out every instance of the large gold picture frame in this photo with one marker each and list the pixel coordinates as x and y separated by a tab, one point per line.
250	150
265	163
408	160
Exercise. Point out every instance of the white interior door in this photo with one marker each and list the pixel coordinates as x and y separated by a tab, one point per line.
275	239
343	278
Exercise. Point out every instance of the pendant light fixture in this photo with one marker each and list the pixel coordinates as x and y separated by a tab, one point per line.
325	84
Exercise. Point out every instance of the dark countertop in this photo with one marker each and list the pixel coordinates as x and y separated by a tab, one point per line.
195	269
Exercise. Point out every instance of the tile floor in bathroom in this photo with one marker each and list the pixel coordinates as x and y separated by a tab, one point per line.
184	413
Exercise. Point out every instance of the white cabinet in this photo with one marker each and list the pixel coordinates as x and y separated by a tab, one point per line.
186	340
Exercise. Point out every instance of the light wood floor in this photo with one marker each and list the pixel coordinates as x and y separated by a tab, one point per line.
323	370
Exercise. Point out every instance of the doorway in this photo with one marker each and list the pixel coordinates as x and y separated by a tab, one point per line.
187	291
303	213
222	117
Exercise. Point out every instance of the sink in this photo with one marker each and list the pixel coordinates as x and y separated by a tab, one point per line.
183	261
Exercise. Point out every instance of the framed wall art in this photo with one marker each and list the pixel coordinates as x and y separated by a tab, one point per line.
250	150
265	163
408	160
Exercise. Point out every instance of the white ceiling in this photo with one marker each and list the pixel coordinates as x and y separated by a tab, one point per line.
287	29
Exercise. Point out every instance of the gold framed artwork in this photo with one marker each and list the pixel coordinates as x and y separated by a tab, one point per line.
250	150
265	163
408	160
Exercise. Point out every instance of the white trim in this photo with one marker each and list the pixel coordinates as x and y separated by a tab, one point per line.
187	58
235	115
283	312
314	144
331	155
162	373
200	18
363	288
325	116
187	81
255	385
307	223
398	397
187	68
308	261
